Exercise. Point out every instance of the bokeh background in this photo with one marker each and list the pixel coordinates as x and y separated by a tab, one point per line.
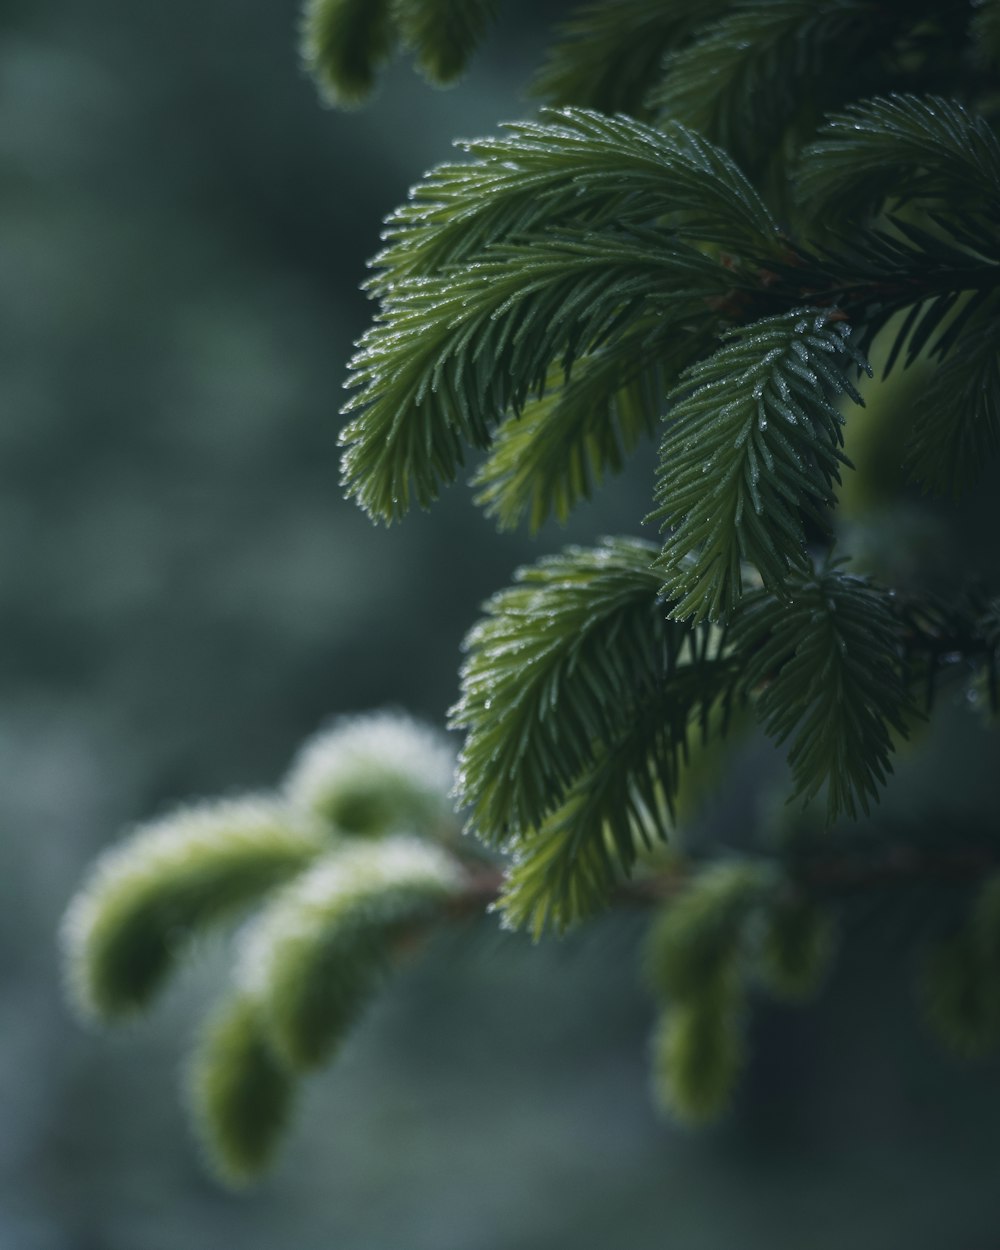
185	596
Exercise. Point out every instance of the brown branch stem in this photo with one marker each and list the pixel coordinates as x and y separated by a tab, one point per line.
821	875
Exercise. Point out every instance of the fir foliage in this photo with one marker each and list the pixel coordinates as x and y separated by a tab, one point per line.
765	59
751	453
956	424
735	203
564	869
959	996
697	1056
316	956
610	55
551	456
242	1096
344	45
450	356
347	878
443	33
169	881
826	658
573	168
695	950
548	250
371	775
902	149
795	948
558	661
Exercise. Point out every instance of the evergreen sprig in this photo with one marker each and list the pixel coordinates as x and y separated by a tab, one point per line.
608	56
344	45
169	881
342	869
443	33
241	1095
554	665
451	355
565	869
316	955
573	168
763	59
826	660
551	456
695	948
751	454
796	946
549	300
696	952
904	149
956	425
578	696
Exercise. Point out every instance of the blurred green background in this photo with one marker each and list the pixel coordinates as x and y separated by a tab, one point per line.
185	596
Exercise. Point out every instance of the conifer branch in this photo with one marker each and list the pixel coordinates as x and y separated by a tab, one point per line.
902	149
315	957
827	661
173	879
344	45
552	455
608	56
762	60
956	426
242	1097
574	168
753	448
443	34
553	669
450	356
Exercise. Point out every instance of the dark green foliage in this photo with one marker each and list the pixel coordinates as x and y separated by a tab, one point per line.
751	453
826	657
443	33
763	59
550	300
578	696
956	425
482	295
564	869
241	1095
610	55
345	43
903	267
557	663
902	149
450	356
574	168
550	457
